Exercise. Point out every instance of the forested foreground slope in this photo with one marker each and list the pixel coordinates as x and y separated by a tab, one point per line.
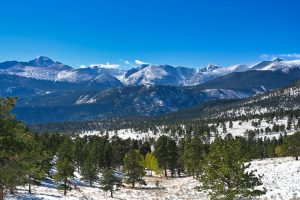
201	161
281	179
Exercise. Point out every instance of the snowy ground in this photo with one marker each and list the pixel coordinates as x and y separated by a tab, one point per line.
127	133
240	127
281	179
172	188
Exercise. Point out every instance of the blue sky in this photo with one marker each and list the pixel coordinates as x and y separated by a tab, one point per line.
190	33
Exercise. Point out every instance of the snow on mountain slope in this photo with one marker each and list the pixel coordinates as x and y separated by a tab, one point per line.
260	65
226	94
85	99
209	68
114	72
277	64
40	68
34	72
76	75
273	101
212	72
46	69
89	74
168	75
283	65
159	75
72	76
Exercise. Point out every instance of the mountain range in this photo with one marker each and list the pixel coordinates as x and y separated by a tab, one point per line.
50	91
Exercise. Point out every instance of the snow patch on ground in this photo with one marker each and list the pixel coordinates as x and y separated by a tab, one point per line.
226	94
84	99
281	177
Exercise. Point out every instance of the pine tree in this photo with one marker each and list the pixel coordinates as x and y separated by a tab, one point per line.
289	124
65	163
145	148
161	152
230	124
292	145
33	165
49	144
224	127
134	167
117	151
65	170
7	136
15	143
298	124
89	170
192	155
172	156
110	180
78	152
108	155
166	152
226	174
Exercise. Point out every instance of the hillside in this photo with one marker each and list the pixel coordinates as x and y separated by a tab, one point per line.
276	101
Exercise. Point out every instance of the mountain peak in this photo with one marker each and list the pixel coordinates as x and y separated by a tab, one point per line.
212	67
42	61
277	60
209	68
260	65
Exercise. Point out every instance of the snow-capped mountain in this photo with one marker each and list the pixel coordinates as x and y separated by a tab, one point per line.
115	72
44	68
40	68
277	64
209	68
160	75
169	75
106	80
212	72
76	75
